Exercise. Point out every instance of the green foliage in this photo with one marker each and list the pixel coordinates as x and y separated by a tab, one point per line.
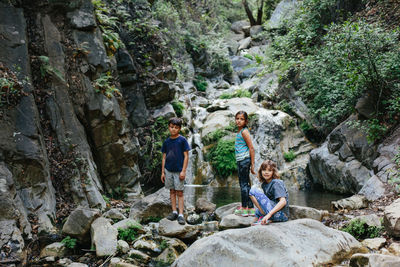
360	229
129	234
164	244
221	64
289	156
11	89
69	242
178	107
104	85
106	199
356	58
237	93
285	107
200	83
248	56
222	158
213	137
305	127
47	69
108	26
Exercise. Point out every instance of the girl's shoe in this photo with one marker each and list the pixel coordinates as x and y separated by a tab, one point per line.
252	212
258	222
238	211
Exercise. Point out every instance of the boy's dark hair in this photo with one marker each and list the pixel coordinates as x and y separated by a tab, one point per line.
175	121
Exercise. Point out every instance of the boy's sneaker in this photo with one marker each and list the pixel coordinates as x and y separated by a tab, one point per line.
181	220
172	216
252	212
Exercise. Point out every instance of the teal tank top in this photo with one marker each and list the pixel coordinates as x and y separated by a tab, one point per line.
241	149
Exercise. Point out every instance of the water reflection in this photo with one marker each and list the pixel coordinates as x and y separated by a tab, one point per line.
226	195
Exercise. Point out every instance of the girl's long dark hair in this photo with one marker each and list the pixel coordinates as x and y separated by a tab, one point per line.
268	164
244	113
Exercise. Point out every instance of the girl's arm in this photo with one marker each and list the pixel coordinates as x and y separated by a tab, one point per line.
247	139
278	207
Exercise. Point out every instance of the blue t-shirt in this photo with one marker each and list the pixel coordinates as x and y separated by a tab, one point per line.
174	148
275	190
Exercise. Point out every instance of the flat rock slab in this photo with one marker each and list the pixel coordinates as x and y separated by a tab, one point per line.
376	260
391	219
302	242
174	229
234	221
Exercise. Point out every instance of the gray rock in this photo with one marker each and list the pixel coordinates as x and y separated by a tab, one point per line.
123	246
374	243
283	11
104	237
249	72
239	63
254	30
244	44
376	260
174	229
57	249
146	245
133	253
351	203
291	243
211	226
394	248
78	223
159	93
167	112
77	264
114	214
83	18
237	26
234	221
373	189
193	219
299	212
391	219
370	220
226	210
92	42
203	205
126	223
169	255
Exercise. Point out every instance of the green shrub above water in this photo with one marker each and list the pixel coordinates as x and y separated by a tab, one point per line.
237	93
200	83
222	157
361	230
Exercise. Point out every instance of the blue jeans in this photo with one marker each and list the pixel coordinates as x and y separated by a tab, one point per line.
267	205
244	182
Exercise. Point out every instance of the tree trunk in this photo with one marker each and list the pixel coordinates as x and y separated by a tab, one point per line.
249	13
260	12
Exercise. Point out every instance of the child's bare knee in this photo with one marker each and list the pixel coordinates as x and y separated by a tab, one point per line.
179	193
172	191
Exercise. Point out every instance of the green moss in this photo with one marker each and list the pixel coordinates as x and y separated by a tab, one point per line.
289	156
361	230
200	83
178	108
222	157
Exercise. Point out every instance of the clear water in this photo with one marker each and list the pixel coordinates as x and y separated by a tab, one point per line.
225	195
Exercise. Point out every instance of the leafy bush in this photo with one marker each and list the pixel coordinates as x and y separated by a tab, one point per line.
222	157
11	89
289	156
237	93
69	242
178	107
356	58
213	137
361	230
129	234
104	85
200	83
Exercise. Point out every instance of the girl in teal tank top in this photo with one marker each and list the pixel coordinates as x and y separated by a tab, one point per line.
244	152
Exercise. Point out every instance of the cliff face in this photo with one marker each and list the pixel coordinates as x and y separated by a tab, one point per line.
65	133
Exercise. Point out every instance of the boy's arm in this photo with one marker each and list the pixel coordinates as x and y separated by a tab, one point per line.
162	167
247	139
182	175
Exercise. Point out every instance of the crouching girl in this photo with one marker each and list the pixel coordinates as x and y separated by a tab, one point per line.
272	201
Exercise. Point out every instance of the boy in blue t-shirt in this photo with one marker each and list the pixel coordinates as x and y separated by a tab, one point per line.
173	167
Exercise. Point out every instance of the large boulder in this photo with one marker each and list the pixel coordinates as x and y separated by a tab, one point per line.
104	237
234	221
78	223
303	242
299	212
282	12
157	204
391	219
174	229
